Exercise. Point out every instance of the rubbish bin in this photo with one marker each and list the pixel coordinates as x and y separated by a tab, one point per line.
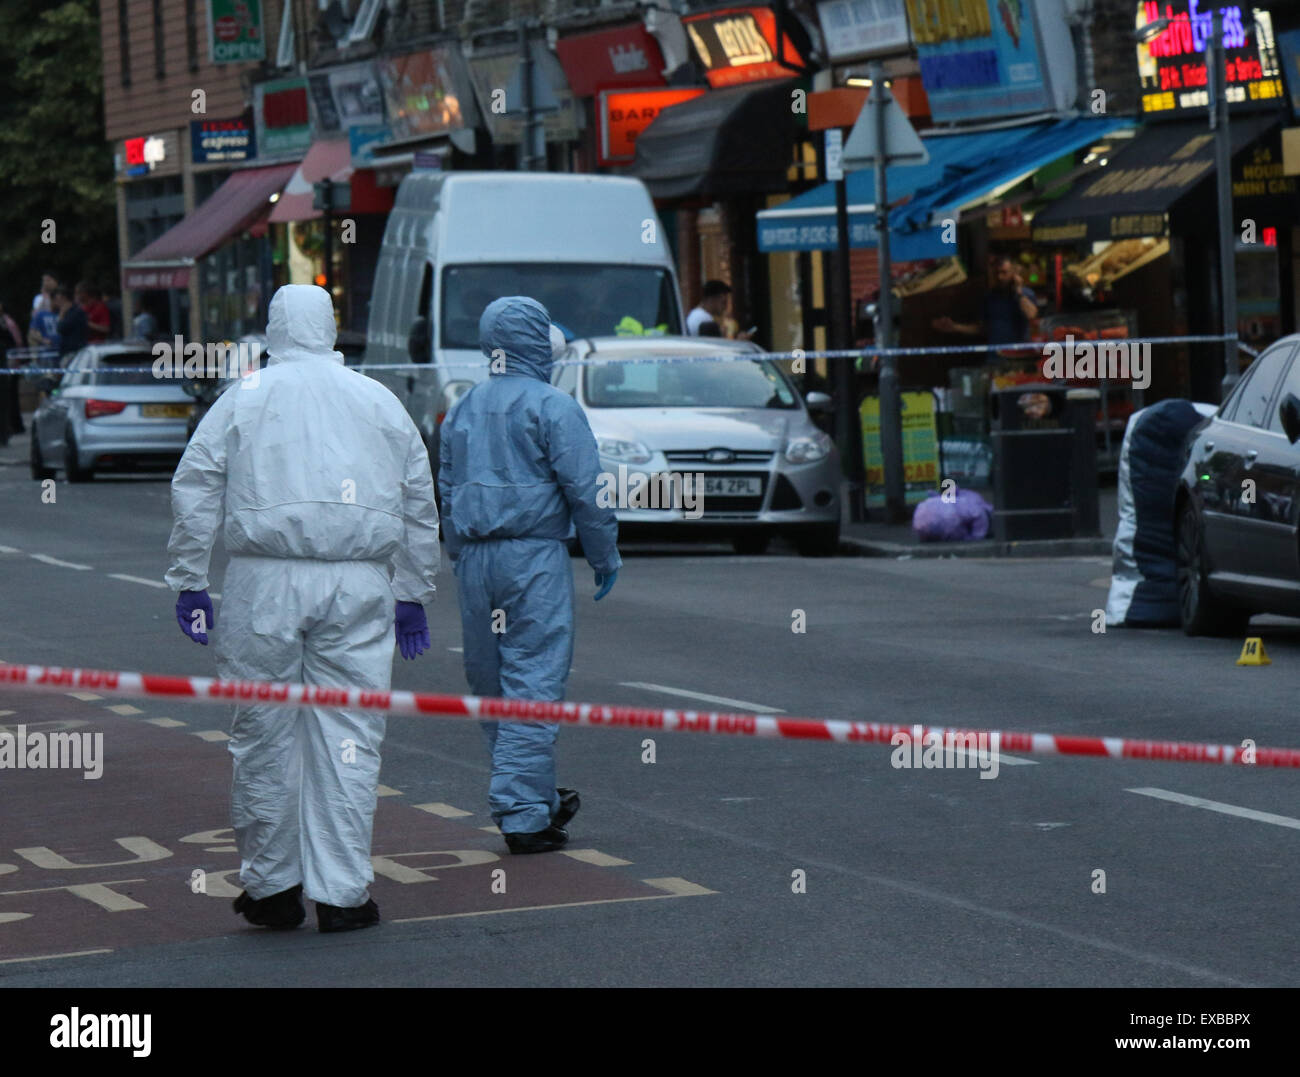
1033	452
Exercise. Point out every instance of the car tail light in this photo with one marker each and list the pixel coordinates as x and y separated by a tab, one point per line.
96	408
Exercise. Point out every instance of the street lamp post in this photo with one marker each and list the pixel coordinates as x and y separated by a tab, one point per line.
1215	55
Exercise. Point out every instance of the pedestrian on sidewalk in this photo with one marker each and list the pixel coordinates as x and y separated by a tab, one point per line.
518	470
319	482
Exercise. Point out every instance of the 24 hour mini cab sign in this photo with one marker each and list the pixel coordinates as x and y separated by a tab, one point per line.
235	31
1171	64
740	45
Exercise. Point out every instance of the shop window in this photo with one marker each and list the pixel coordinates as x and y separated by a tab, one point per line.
159	68
192	34
123	43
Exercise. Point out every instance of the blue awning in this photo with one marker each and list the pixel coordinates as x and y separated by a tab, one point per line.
962	168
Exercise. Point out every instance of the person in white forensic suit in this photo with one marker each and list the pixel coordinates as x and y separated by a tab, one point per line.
321	487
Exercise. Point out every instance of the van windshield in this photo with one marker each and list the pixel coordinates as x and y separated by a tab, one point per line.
589	300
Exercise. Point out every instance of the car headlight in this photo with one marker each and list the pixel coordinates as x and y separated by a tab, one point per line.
624	452
807	450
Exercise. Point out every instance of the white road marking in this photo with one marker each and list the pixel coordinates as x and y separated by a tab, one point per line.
5	714
491	829
678	887
595	856
85	697
10	549
446	811
138	579
558	905
732	799
210	734
385	791
165	723
53	957
754	708
1219	806
47	559
124	709
458	650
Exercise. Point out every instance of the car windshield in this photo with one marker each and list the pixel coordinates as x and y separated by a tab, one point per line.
141	372
588	300
705	383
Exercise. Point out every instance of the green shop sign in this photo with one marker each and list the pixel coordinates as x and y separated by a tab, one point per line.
235	31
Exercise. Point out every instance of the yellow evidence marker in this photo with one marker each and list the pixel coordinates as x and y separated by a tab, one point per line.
1252	653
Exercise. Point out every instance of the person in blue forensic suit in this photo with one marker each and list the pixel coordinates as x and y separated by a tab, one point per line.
518	472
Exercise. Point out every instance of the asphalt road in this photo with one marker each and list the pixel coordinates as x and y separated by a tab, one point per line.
911	877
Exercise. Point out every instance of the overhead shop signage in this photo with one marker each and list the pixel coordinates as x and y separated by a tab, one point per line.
624	114
425	93
980	58
282	116
1172	68
492	72
854	29
1261	173
143	155
609	59
224	141
346	97
235	31
741	45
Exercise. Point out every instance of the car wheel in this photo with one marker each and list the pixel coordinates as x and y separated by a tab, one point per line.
1202	614
75	472
751	543
39	470
819	540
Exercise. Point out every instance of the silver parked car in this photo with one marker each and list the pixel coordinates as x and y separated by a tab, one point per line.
718	444
105	419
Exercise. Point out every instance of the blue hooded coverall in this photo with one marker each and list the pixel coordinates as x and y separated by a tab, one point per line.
518	469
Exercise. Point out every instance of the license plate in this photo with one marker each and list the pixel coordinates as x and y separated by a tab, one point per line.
726	486
165	411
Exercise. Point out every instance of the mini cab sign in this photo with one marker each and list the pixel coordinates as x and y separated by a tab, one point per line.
624	114
739	45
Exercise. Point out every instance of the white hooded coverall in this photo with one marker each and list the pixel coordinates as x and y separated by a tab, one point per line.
321	485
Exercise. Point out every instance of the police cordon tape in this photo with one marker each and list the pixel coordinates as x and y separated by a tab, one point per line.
740	356
481	708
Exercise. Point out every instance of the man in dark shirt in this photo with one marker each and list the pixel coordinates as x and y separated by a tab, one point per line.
73	326
1008	309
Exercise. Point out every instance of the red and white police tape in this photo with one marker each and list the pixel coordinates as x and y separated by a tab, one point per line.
212	690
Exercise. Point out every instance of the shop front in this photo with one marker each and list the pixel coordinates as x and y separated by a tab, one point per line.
711	161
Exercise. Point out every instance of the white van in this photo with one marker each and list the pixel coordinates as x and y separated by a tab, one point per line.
589	248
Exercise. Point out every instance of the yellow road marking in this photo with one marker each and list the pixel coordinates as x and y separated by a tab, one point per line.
560	905
444	810
124	708
678	887
385	791
211	734
165	723
85	697
593	856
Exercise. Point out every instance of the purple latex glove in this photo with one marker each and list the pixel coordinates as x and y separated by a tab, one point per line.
194	615
412	629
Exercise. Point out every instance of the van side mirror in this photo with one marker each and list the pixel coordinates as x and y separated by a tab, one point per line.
418	340
818	402
1289	410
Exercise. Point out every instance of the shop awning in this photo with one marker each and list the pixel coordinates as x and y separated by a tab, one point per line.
326	159
1133	193
237	205
733	141
963	168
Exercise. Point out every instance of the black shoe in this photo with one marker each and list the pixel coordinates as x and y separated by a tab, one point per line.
569	805
279	911
540	841
330	918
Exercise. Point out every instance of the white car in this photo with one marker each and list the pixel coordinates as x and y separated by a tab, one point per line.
97	419
717	440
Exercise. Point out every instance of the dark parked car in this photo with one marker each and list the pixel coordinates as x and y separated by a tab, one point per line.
1237	508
